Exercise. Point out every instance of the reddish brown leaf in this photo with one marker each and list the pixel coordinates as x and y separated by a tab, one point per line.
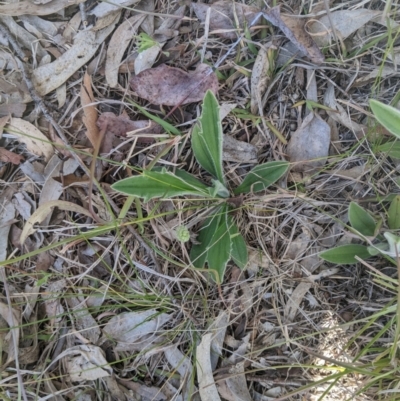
223	15
293	28
121	125
10	157
172	86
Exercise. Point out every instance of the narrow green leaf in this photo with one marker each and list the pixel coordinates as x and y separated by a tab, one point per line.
219	252
388	116
361	220
239	254
167	126
262	176
199	251
207	138
160	184
394	214
345	254
392	149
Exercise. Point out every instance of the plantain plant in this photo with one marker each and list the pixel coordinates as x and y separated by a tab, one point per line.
219	239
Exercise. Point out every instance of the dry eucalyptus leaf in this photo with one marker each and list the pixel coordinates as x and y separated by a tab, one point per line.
345	22
341	116
147	58
294	29
235	388
86	362
218	328
28	134
43	210
128	328
12	317
90	111
238	151
259	80
7	214
309	145
207	388
172	86
50	76
117	46
7	156
223	16
31	8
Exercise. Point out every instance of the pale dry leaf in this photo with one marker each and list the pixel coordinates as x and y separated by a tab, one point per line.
225	109
294	29
308	147
27	133
144	392
345	22
30	8
172	86
12	317
25	38
218	328
238	151
52	189
294	301
3	122
7	214
84	321
52	301
207	388
117	46
259	80
43	210
104	9
7	156
129	328
42	25
24	208
380	72
222	16
50	76
148	23
341	116
147	58
90	111
13	109
235	388
86	362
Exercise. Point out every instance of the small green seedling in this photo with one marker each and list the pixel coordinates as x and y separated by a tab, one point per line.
145	42
219	239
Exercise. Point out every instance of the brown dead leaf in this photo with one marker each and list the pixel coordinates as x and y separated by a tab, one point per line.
172	86
223	15
294	29
10	157
259	80
121	125
309	145
90	111
117	46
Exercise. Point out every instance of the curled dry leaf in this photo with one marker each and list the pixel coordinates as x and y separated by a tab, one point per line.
117	46
10	157
12	317
50	76
223	15
238	151
172	86
43	210
294	29
309	145
28	134
345	22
